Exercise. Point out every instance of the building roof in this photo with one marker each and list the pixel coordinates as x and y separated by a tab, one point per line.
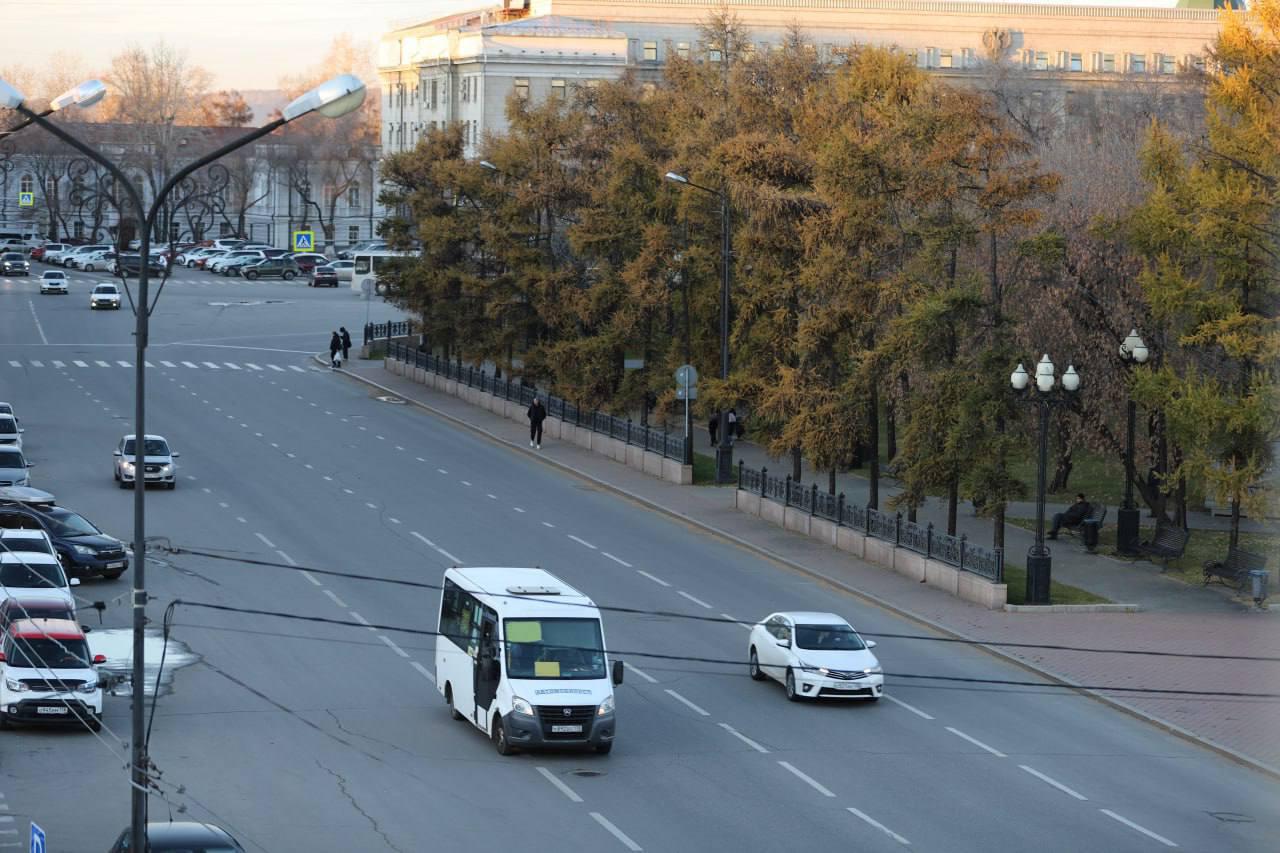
553	26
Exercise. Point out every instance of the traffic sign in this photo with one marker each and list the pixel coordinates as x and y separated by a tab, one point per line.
689	392
26	199
686	374
37	839
304	241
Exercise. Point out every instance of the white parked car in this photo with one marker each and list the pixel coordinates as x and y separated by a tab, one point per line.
814	655
73	257
7	409
10	433
53	281
93	261
105	296
47	674
219	264
190	256
157	462
32	572
54	252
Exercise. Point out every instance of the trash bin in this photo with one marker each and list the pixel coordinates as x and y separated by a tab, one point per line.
1089	530
1258	580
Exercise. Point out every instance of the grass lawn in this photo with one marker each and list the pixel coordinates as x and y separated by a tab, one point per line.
704	470
1059	593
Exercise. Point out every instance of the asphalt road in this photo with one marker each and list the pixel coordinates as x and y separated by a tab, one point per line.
311	736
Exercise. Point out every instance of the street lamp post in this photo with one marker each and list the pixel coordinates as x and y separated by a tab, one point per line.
334	98
1044	398
724	448
1132	351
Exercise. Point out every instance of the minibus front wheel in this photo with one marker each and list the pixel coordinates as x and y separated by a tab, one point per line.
500	742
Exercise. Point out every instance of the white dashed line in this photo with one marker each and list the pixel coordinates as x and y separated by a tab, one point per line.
997	753
442	471
1061	787
295	367
426	673
78	363
224	504
559	785
676	696
379	437
58	364
617	560
391	645
210	365
1166	842
547	524
251	365
910	708
265	540
168	364
880	826
370	506
653	578
491	496
393	520
582	542
99	363
327	477
398	447
740	736
363	621
813	783
306	574
646	676
334	598
242	520
465	482
35	363
124	363
276	368
517	509
286	557
434	546
420	459
736	619
232	366
615	832
348	491
190	364
697	601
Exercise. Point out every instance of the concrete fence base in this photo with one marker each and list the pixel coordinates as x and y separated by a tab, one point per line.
654	464
918	567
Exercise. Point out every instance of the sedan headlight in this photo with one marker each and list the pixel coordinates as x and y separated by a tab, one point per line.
126	465
809	668
521	706
84	550
166	468
606	708
15	685
875	670
87	687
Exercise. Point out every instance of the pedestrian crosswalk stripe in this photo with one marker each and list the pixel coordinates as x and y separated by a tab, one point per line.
78	363
275	367
59	365
168	364
232	366
101	363
15	364
191	364
295	367
123	363
251	365
35	363
148	364
210	365
240	367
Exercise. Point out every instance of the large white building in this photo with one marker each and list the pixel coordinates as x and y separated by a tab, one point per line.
463	67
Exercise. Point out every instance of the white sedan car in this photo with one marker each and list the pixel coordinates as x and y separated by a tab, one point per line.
105	296
815	655
157	462
53	281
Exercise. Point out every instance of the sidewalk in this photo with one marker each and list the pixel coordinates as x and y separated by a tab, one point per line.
1243	728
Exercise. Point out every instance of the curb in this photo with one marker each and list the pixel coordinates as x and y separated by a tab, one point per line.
1072	608
884	604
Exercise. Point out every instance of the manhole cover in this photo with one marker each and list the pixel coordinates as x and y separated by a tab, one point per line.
586	774
1231	817
393	400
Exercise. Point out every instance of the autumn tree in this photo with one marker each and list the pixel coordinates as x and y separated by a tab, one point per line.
226	108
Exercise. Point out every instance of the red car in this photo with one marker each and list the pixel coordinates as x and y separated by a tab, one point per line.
308	261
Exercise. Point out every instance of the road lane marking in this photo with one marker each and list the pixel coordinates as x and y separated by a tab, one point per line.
327	477
149	364
434	546
617	560
880	826
168	364
191	364
676	696
36	318
910	708
646	676
740	736
393	520
491	496
242	520
286	557
398	447
517	509
370	506
559	785
363	621
1061	787
547	524
224	504
997	753
697	601
124	363
735	619
35	363
426	673
306	574
582	542
1166	842
275	367
296	368
615	832
13	363
391	645
814	783
379	437
58	364
334	598
251	365
442	471
653	578
210	365
232	366
101	363
465	482
78	363
265	540
348	491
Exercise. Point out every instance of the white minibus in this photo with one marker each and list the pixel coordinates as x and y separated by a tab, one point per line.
367	267
521	655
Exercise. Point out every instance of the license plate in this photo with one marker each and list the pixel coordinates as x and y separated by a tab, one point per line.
115	565
848	686
565	729
58	709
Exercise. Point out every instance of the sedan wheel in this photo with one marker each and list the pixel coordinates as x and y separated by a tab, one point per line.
754	667
791	687
288	276
88	267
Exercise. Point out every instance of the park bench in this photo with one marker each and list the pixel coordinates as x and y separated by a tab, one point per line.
1234	570
1168	543
1089	526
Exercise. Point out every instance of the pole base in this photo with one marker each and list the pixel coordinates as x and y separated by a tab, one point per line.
1127	532
724	464
1038	572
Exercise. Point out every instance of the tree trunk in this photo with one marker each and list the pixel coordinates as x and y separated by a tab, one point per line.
1235	523
831	481
796	459
891	430
953	498
1061	472
873	440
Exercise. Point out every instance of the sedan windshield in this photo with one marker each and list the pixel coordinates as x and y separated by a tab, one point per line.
12	256
67	523
54	274
105	289
152	447
39	653
32	576
8	427
835	638
554	648
10	459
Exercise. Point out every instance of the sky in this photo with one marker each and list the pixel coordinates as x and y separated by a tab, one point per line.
246	44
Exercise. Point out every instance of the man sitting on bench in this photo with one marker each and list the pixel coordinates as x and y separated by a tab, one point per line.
1075	514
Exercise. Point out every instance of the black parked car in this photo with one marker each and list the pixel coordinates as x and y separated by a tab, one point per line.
85	551
129	264
182	837
284	268
325	276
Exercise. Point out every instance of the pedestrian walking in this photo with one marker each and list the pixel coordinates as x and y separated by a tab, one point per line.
335	347
537	414
733	426
713	427
346	343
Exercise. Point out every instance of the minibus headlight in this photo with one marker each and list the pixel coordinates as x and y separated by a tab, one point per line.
521	706
606	708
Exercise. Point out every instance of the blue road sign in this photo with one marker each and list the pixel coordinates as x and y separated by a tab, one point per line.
26	199
304	241
37	839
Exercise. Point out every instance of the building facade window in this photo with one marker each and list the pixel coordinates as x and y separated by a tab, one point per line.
522	88
558	89
651	51
1075	62
682	49
1108	63
353	194
353	234
1041	62
945	59
77	229
435	93
1138	63
466	89
1168	64
714	54
27	184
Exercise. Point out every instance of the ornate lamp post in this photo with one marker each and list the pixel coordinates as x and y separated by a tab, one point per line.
1132	352
1044	397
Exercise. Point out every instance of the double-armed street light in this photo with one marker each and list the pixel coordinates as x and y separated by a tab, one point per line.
724	448
1133	351
333	99
1044	397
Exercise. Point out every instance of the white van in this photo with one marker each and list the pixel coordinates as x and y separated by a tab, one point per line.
521	655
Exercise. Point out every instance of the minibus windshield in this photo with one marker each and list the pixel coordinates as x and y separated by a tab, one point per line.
554	648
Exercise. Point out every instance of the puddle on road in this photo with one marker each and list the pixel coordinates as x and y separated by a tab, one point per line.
117	645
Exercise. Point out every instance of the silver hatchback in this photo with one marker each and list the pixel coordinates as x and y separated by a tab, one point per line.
157	462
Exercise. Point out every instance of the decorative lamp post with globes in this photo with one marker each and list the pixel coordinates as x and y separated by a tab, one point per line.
1132	352
1044	396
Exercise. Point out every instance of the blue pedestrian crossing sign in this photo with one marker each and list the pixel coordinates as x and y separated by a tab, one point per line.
304	241
37	839
27	199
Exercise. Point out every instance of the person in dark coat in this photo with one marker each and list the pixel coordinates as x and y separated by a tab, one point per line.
346	343
713	427
1075	514
335	346
537	414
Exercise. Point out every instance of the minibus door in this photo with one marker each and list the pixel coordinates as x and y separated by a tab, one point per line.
488	667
